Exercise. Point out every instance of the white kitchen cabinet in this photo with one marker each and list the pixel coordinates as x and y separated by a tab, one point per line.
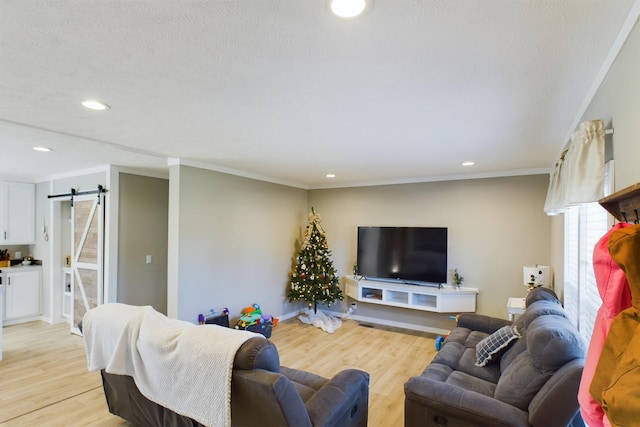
17	213
22	293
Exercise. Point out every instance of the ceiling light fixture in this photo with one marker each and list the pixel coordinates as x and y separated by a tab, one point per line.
43	149
94	105
348	8
331	175
468	163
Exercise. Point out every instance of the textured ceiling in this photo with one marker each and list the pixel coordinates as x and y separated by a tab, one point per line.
281	89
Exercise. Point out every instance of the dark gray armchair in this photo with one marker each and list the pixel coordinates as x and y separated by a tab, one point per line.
262	394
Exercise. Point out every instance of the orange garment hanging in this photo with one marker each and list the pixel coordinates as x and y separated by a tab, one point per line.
616	381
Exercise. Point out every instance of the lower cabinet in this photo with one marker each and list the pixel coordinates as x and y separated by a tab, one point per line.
440	300
22	294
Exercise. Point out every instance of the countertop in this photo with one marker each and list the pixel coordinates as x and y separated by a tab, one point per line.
19	267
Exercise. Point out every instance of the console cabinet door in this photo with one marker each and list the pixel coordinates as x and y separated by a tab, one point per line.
22	296
17	214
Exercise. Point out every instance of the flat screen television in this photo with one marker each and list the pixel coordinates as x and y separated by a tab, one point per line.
412	255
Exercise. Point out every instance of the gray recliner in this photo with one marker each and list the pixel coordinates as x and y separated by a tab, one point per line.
263	393
532	383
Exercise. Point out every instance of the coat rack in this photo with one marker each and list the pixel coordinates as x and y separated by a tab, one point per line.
624	205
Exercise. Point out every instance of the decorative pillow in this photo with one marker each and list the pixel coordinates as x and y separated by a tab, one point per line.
489	348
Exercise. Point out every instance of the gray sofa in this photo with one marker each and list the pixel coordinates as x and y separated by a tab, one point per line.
263	393
532	381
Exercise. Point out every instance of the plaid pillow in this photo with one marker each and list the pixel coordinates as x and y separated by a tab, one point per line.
492	345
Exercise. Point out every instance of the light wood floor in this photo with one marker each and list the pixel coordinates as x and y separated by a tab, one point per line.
44	379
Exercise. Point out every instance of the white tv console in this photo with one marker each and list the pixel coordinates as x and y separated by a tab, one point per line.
447	299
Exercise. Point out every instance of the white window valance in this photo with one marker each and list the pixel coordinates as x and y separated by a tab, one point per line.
578	174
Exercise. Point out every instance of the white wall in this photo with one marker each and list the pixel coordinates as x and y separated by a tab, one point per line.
231	242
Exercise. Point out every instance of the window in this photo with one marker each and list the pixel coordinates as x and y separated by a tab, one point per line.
584	226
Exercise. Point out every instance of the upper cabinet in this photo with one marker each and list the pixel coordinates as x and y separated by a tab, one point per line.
17	213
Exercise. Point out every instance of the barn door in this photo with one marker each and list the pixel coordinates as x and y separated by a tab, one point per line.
87	220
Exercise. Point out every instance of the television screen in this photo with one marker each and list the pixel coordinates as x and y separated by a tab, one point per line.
414	255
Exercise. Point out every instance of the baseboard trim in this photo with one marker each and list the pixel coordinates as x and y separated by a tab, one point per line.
288	315
376	321
403	325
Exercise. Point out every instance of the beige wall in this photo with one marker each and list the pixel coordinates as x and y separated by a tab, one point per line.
142	231
231	242
617	102
496	225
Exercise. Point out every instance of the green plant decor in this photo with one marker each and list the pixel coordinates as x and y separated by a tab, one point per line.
457	278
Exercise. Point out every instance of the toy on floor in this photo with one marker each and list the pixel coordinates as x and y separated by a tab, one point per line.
253	320
215	317
440	338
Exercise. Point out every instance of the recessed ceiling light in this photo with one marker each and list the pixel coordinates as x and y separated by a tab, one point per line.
468	163
44	149
331	175
94	105
348	8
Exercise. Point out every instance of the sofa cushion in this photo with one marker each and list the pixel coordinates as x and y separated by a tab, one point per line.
541	294
553	341
535	310
467	364
489	348
437	372
520	382
512	352
450	354
458	335
471	383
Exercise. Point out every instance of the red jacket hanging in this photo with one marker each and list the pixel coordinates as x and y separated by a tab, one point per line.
616	296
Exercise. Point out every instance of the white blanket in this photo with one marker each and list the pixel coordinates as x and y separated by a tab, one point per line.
179	365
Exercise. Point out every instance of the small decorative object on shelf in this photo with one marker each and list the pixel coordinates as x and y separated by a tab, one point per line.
536	276
456	278
532	283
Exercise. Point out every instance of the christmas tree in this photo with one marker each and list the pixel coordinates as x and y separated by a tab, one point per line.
313	278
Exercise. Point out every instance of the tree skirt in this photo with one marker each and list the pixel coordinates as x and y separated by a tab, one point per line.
320	320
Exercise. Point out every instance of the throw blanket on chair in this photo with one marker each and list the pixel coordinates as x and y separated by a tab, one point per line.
181	366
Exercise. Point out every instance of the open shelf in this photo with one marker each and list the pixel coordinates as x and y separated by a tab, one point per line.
624	205
444	300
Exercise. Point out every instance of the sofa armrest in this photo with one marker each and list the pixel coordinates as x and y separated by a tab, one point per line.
452	405
342	401
557	400
482	323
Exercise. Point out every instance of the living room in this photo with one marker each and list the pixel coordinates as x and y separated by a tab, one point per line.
231	238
